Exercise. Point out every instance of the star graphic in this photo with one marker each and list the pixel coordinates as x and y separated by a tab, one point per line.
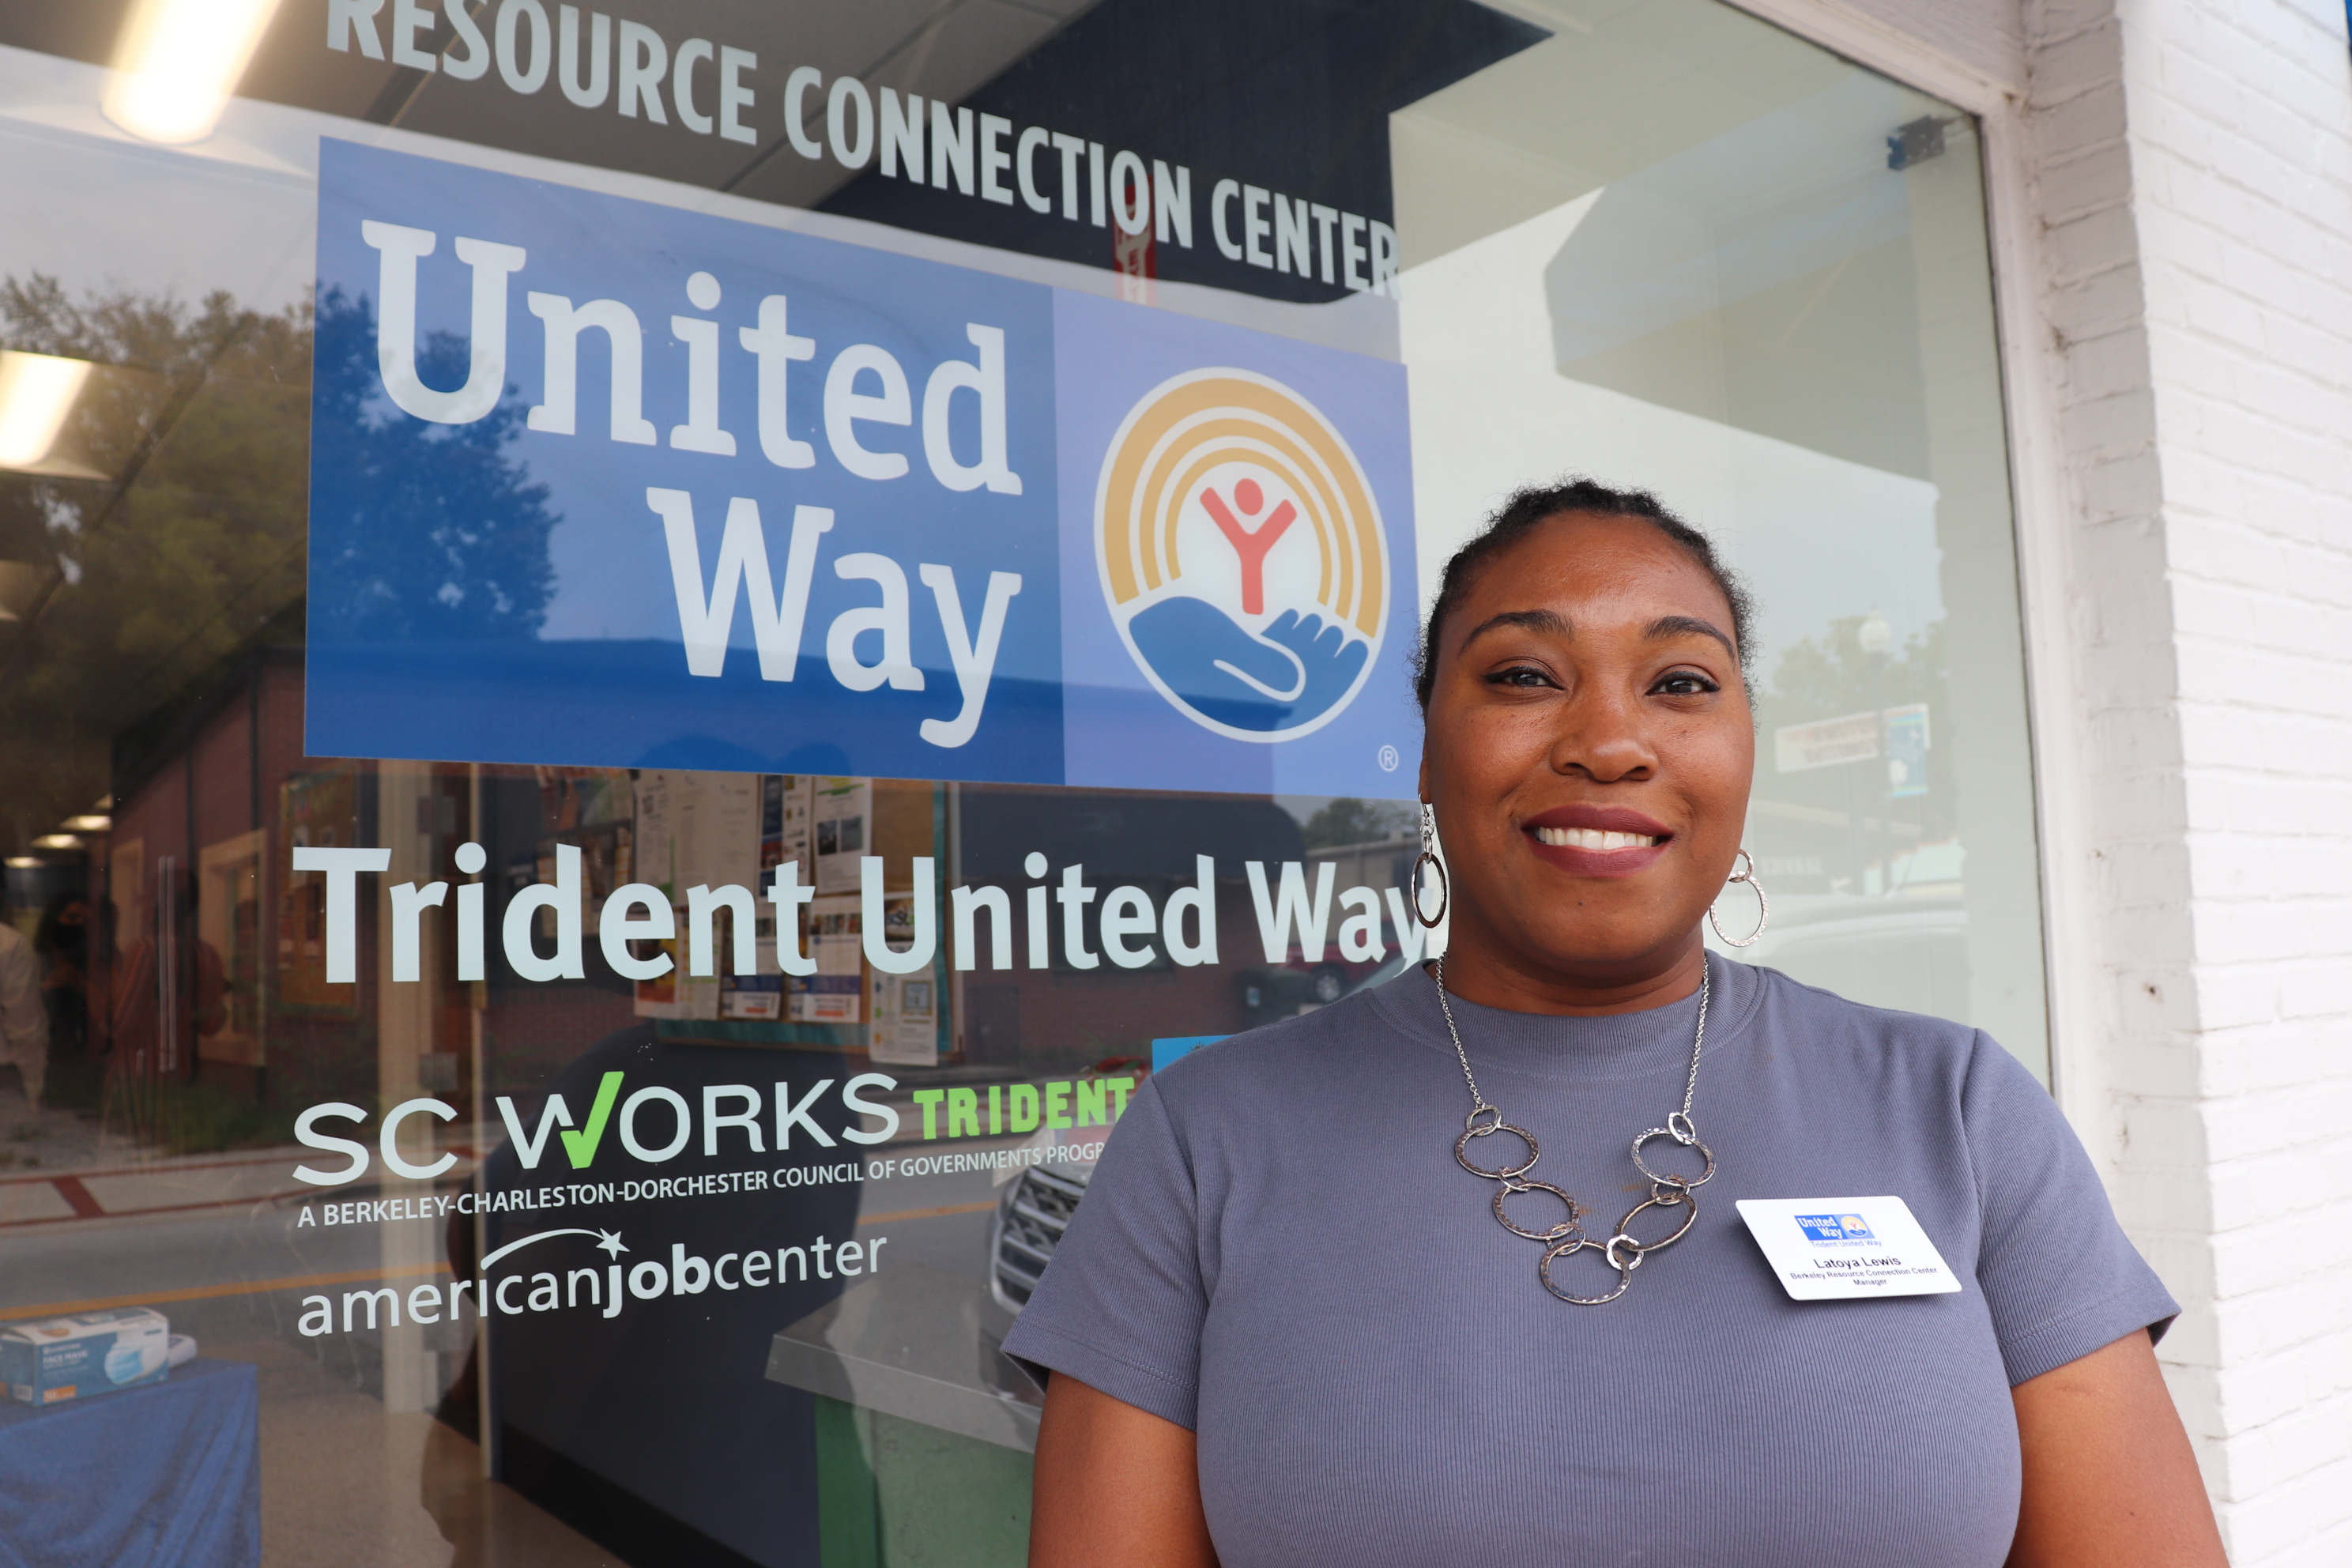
611	1244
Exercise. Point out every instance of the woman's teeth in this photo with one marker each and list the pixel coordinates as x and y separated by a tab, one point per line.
1592	839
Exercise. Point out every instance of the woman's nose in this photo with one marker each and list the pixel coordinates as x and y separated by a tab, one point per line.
1602	737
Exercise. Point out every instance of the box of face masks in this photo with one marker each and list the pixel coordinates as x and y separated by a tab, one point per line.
89	1353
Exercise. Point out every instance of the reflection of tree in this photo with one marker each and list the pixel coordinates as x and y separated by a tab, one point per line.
174	531
1822	678
177	534
1350	821
425	530
1831	676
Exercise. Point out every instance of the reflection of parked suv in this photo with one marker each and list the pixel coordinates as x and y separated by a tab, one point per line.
1037	1204
1030	1219
1289	989
1908	951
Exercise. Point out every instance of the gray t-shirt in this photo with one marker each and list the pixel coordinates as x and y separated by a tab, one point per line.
1279	1252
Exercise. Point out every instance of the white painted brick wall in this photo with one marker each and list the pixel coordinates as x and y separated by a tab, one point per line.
2173	197
2192	165
1987	35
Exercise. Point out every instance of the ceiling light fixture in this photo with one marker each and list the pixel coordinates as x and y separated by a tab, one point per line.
178	61
56	841
26	862
87	824
36	392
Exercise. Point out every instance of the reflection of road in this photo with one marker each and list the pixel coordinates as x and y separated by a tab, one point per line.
148	1187
197	1248
342	1471
234	1274
921	1341
179	1258
1906	953
940	1222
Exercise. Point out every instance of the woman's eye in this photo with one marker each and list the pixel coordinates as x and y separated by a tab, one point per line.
1684	683
1518	675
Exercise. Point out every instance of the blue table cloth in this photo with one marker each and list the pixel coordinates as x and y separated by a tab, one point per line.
168	1476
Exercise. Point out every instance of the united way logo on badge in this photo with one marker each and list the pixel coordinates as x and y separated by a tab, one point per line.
1834	1227
1242	554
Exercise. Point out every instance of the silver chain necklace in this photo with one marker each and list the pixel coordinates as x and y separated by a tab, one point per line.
1567	1236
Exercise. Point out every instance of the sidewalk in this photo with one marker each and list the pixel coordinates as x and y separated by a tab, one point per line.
58	1166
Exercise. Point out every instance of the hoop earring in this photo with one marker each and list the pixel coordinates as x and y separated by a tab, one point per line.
1428	857
1763	907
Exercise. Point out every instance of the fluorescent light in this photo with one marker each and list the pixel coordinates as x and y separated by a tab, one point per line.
36	392
87	824
177	63
56	841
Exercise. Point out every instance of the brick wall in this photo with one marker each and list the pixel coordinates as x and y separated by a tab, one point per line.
2192	166
2172	196
1987	35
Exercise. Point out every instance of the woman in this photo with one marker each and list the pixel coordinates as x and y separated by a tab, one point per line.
1286	1327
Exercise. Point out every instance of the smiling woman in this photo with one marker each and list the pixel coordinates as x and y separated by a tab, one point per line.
1217	1365
712	621
1641	684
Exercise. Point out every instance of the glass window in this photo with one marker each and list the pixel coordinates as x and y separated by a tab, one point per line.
1673	247
446	1116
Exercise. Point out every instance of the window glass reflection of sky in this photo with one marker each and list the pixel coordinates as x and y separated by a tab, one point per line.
1819	536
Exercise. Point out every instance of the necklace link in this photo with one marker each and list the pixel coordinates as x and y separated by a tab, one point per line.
1567	1236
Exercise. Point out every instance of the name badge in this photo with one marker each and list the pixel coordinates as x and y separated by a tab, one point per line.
1836	1249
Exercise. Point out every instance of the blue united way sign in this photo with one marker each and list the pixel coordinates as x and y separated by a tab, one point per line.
605	483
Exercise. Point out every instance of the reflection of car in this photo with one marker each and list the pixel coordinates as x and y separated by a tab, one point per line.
1290	989
1036	1206
1906	953
1030	1218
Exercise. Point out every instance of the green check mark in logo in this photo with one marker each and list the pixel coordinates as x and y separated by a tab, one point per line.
580	1146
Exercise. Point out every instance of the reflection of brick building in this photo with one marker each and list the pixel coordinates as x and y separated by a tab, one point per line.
217	970
218	963
1068	1015
184	886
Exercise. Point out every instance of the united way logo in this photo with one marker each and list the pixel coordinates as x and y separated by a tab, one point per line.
1242	554
1834	1227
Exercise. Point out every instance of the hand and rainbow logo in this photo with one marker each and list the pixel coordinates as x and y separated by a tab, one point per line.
1242	554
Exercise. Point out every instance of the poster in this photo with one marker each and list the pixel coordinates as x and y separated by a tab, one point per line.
835	993
905	1031
755	997
1028	535
656	828
787	801
694	829
842	812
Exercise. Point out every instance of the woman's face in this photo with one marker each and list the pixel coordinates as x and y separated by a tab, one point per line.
1588	752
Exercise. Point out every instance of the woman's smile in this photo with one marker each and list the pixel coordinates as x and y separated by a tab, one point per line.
1598	840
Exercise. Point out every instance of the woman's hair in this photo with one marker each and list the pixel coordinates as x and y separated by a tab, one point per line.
1535	504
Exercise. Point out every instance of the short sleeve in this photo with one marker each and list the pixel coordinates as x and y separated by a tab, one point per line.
1120	1306
2059	1276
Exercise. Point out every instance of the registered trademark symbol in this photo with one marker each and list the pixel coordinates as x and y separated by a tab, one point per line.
1388	759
